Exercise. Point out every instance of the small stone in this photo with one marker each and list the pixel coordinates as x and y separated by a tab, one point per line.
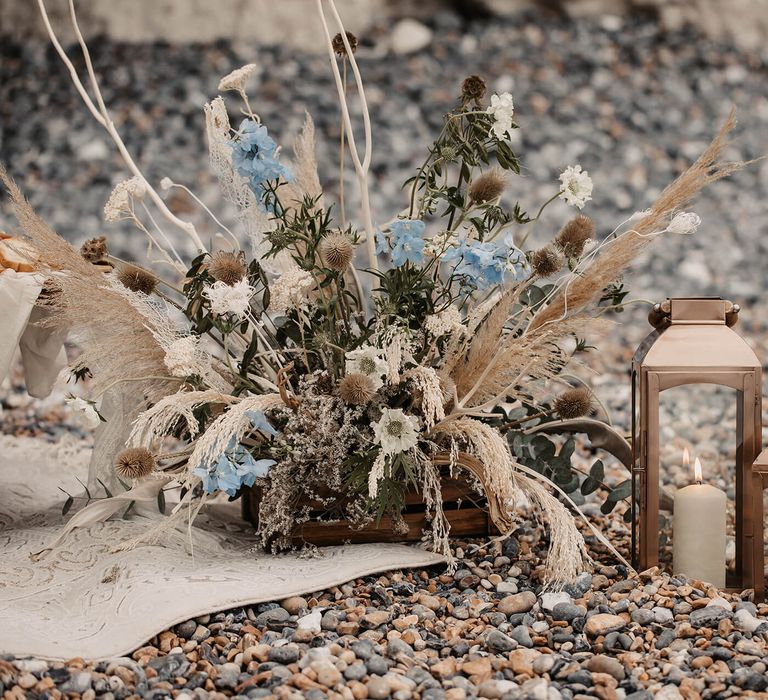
643	616
720	602
378	688
708	616
521	661
328	675
409	36
200	634
430	602
377	664
498	641
548	600
186	629
295	604
284	655
746	621
522	636
518	603
506	587
397	647
602	623
663	615
606	664
568	611
496	688
543	664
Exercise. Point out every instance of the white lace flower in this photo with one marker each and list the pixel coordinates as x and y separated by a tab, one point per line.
684	223
119	203
396	432
576	186
183	357
367	360
85	411
502	109
236	79
290	290
229	300
446	321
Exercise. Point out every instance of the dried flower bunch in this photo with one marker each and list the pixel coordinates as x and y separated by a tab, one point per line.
343	364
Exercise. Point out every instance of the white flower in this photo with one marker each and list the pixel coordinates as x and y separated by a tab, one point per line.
446	321
684	223
119	203
290	290
396	432
502	110
367	360
576	187
236	79
233	300
85	411
183	357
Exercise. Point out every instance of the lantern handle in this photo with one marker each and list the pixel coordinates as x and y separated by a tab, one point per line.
659	315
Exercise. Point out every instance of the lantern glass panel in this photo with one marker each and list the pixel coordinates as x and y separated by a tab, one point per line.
702	418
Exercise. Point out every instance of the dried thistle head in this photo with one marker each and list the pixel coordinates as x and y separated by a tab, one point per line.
357	388
488	187
95	249
473	90
336	251
227	267
338	44
574	236
547	260
134	463
574	403
136	279
447	389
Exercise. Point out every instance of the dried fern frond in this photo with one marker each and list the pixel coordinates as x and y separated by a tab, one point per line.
588	285
159	420
306	181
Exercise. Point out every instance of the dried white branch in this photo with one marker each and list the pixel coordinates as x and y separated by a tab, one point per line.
101	115
361	167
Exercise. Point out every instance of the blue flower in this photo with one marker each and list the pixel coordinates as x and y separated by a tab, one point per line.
407	239
259	422
488	264
254	155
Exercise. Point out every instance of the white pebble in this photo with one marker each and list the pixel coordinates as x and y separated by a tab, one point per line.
720	603
548	600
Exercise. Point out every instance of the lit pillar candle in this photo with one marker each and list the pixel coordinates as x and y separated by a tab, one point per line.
698	537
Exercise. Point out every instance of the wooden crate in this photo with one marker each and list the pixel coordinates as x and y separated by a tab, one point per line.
464	510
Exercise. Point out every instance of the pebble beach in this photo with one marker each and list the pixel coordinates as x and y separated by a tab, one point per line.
629	103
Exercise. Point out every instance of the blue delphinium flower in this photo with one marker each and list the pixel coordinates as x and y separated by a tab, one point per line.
487	264
255	157
407	241
236	466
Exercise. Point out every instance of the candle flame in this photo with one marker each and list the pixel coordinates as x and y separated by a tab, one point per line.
686	458
697	471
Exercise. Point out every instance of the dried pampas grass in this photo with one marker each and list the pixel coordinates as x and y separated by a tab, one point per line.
585	287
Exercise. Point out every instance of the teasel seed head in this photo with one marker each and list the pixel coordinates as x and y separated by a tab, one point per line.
574	236
574	403
338	44
546	261
136	279
357	388
95	249
337	251
488	186
134	463
473	89
227	267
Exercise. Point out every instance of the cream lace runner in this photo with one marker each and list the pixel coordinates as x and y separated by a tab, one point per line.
83	599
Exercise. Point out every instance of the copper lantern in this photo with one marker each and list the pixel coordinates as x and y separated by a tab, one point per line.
693	343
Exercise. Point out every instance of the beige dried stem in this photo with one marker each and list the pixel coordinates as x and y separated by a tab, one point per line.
584	288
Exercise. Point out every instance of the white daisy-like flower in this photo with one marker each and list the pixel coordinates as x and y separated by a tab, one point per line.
446	321
183	357
290	290
119	203
85	411
576	186
684	223
236	79
396	432
367	360
502	109
231	300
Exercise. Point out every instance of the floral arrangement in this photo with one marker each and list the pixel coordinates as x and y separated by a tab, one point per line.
345	364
